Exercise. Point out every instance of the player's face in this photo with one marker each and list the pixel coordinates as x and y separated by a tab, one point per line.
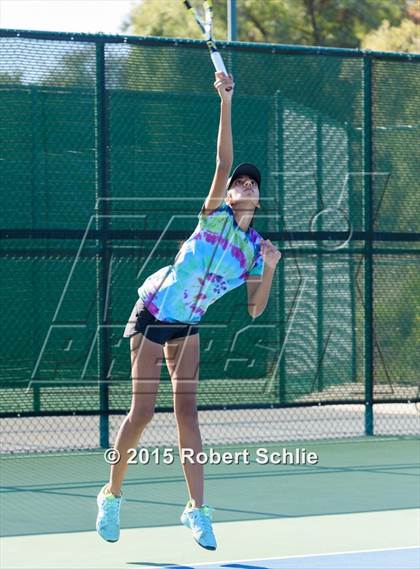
244	188
245	183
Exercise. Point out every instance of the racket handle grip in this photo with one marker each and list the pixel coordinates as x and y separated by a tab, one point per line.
218	62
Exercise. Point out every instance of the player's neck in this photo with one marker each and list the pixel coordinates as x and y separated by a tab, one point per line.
243	217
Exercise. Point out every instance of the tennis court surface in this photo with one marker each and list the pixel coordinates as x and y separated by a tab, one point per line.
358	508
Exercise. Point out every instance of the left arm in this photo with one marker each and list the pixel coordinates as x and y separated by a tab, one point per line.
259	291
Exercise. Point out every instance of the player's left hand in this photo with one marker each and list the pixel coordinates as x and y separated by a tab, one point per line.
270	253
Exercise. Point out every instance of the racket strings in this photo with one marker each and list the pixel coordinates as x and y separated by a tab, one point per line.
206	24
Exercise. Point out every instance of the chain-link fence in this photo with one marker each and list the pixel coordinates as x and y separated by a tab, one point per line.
107	153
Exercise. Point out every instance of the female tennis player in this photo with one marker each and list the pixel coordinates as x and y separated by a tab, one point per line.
223	252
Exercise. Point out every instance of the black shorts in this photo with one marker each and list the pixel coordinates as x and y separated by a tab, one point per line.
141	320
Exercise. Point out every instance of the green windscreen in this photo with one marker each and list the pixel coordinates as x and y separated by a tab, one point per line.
108	151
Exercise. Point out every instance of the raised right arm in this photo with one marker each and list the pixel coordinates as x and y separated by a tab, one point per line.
224	159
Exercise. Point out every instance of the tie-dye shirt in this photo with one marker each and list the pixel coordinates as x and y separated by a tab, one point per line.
215	259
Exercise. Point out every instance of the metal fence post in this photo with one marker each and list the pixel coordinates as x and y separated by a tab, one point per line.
231	20
279	169
352	276
368	227
319	259
102	256
37	173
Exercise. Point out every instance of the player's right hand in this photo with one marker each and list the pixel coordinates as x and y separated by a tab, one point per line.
224	85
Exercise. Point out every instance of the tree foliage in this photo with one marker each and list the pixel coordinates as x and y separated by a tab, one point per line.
405	37
339	23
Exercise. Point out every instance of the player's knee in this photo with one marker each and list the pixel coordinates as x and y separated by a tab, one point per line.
186	415
139	418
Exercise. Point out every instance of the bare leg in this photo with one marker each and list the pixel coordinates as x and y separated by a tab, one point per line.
146	358
182	359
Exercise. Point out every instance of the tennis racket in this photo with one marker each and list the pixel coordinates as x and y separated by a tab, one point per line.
206	27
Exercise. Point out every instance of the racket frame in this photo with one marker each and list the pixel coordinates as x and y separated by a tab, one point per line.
206	27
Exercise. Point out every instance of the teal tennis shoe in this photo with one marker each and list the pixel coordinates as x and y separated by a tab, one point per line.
199	520
108	519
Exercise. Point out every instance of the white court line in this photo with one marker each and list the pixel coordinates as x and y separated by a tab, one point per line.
309	555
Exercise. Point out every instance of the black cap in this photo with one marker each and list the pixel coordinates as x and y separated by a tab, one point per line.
245	169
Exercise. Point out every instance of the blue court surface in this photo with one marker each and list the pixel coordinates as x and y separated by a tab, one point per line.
404	558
